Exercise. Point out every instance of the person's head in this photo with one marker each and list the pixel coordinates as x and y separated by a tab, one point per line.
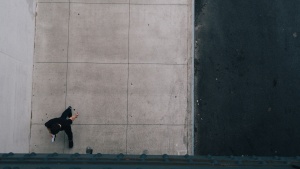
55	128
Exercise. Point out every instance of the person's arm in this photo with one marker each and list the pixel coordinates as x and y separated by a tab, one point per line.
74	117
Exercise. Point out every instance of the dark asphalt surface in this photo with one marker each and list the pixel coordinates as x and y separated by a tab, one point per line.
247	77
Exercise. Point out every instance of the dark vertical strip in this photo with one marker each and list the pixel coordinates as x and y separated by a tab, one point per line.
32	76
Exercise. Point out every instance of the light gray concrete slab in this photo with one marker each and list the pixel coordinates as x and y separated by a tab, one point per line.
49	91
157	94
99	33
40	140
98	92
158	34
101	1
165	2
51	40
156	139
105	139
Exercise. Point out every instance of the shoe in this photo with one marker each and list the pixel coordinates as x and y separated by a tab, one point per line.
53	137
70	143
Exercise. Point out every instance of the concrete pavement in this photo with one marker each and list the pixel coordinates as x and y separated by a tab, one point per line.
125	65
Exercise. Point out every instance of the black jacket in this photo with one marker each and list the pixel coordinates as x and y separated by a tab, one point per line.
65	125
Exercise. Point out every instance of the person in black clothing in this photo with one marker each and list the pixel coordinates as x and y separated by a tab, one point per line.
63	123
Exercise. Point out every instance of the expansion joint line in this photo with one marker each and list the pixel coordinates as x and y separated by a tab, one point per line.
67	66
128	74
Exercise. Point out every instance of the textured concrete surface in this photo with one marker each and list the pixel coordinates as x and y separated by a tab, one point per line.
157	94
49	91
119	64
99	33
157	139
102	138
100	91
247	77
51	40
154	30
16	55
40	141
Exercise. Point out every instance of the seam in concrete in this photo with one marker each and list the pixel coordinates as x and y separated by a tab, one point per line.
67	67
64	147
31	94
128	74
67	56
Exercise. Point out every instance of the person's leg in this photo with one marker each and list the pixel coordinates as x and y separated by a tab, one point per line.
69	133
67	113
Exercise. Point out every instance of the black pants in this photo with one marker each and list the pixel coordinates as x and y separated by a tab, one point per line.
66	113
68	130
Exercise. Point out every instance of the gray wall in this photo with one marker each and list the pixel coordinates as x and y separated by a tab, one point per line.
16	55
